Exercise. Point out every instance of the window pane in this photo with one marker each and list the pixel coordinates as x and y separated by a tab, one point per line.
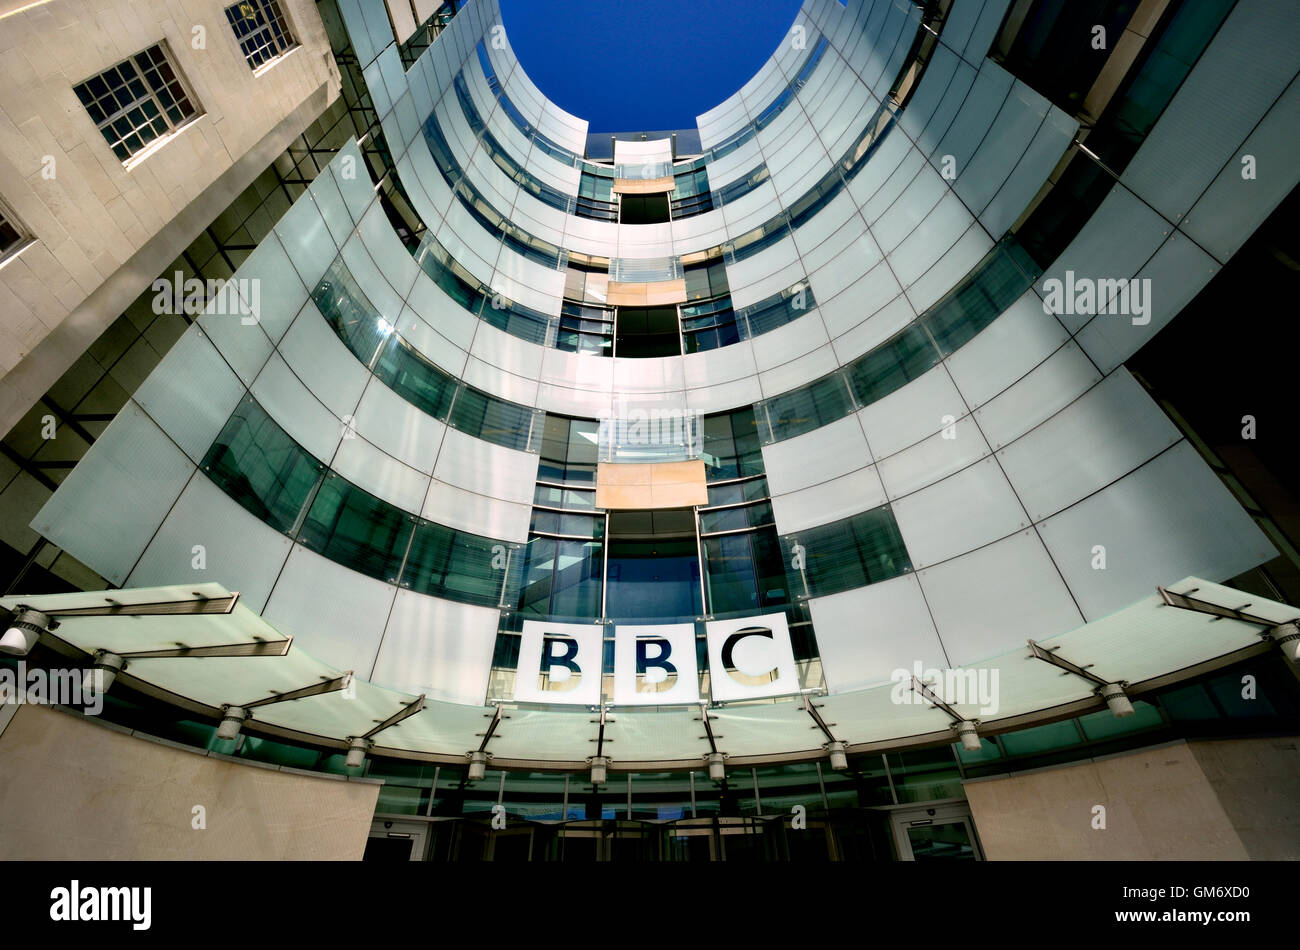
354	528
255	462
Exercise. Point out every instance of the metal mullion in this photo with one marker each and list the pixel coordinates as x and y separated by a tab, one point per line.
189	95
563	537
749	530
134	103
742	478
737	504
568	511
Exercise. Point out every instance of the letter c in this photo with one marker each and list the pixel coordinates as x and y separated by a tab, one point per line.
746	679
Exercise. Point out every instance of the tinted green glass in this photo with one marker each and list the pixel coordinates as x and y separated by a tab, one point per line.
735	519
744	571
809	407
892	365
352	527
778	310
457	565
561	578
415	379
999	281
732	448
863	549
491	419
361	327
255	462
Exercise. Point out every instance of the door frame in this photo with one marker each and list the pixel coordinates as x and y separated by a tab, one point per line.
950	813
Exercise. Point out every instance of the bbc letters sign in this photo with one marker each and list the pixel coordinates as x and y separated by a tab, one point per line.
655	664
559	663
751	657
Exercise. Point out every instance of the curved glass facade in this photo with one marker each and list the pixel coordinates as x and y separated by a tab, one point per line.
879	322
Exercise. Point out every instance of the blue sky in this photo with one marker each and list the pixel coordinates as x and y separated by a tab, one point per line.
633	65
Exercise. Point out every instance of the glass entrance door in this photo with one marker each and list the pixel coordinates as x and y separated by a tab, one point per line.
937	833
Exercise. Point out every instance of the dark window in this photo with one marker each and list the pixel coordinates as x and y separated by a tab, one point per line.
11	235
137	101
261	29
647	332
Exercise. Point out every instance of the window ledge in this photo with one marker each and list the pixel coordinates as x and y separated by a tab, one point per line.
158	143
17	251
272	63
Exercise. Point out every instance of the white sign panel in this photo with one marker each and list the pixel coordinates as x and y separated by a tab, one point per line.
751	657
559	663
655	664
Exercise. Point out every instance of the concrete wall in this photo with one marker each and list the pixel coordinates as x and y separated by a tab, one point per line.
92	217
74	790
1227	800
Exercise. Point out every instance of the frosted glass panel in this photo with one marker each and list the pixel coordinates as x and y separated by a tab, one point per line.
238	551
317	357
958	514
297	411
380	474
1170	518
399	428
110	505
816	456
994	599
912	413
279	291
478	514
335	614
1107	432
829	501
191	393
306	239
934	458
244	346
489	469
1005	350
1053	384
864	635
437	647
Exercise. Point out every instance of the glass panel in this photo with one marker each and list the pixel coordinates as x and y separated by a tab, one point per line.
415	379
807	408
732	448
778	310
653	578
444	562
996	283
492	419
946	842
350	313
352	527
255	462
561	578
892	365
856	551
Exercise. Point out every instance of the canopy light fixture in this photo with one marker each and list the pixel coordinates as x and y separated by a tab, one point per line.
103	671
477	765
1116	699
717	766
232	720
837	750
968	732
24	630
357	750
